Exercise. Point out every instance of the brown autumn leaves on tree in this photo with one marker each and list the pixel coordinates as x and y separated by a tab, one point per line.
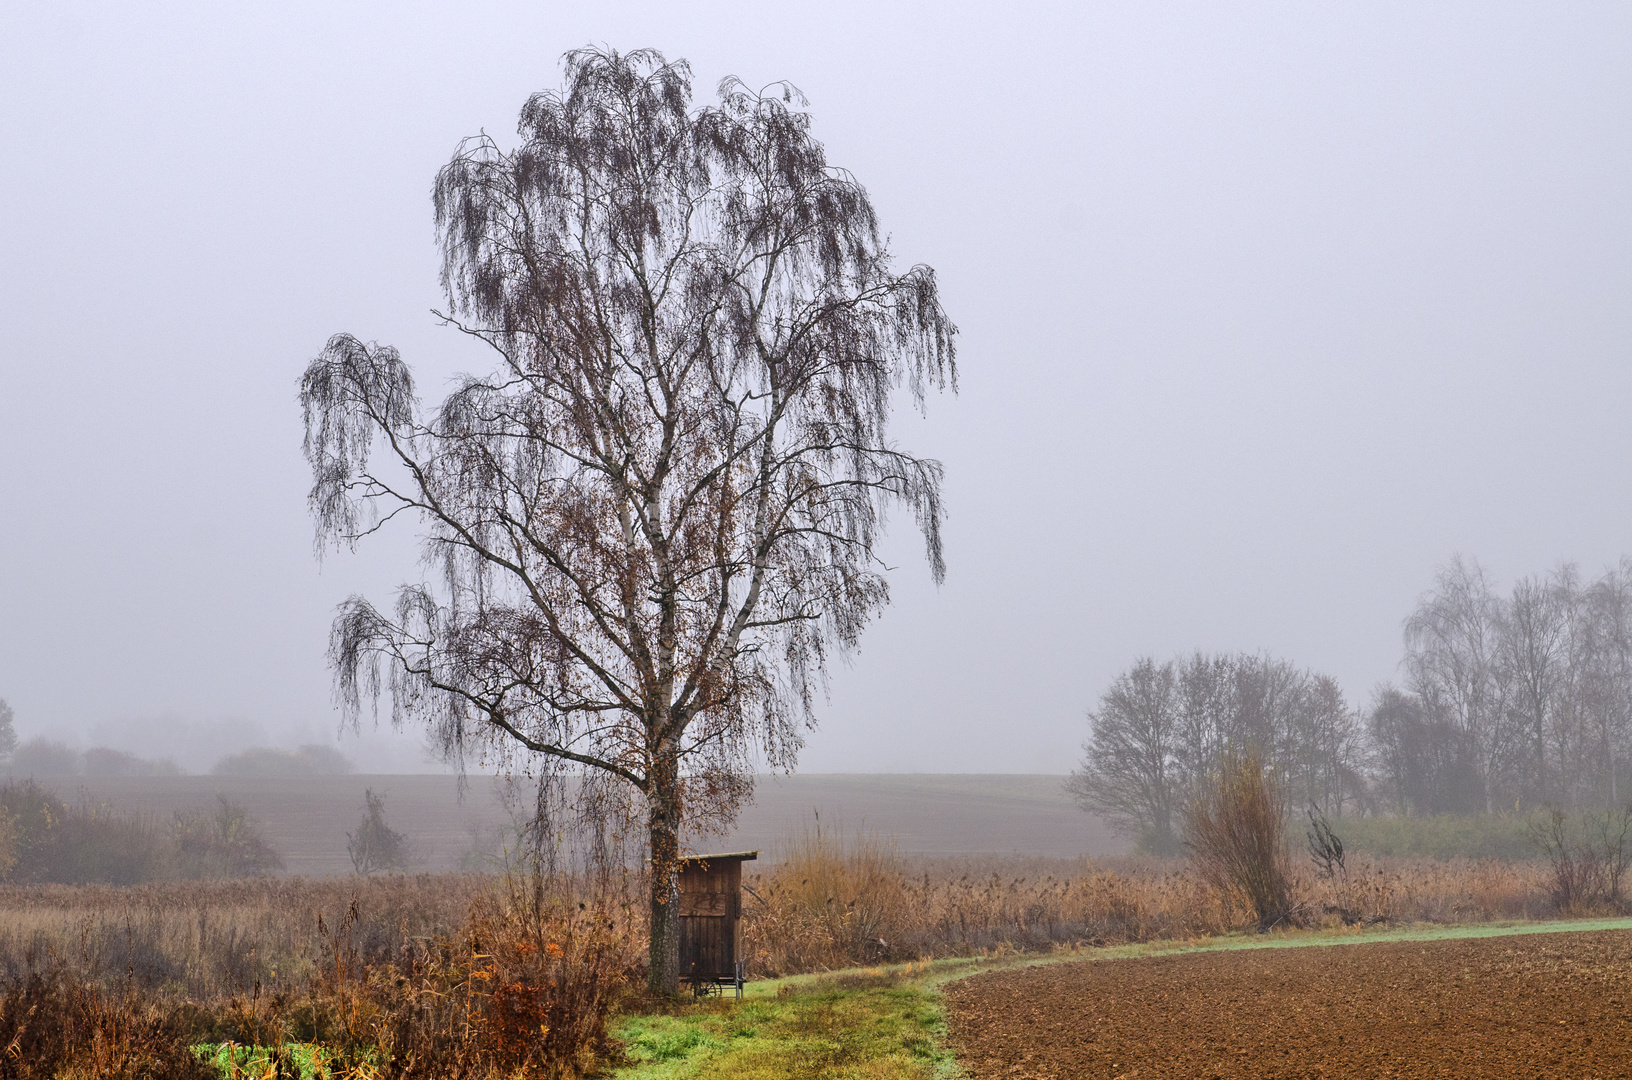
655	517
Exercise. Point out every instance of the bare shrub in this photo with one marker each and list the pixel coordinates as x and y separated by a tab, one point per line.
44	757
1587	855
47	840
226	843
375	845
1236	833
1330	858
92	843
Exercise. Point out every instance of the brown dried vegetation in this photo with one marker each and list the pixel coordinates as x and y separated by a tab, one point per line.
479	976
836	902
445	976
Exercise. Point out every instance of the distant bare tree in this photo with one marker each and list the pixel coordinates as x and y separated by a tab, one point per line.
1452	662
1605	685
8	730
1535	661
1539	683
1160	734
1425	761
1326	757
1128	772
656	516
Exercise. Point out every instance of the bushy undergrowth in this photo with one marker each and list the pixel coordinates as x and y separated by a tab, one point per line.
45	840
431	976
56	1028
1442	836
525	987
480	976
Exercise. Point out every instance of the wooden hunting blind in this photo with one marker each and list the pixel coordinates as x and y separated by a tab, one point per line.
710	909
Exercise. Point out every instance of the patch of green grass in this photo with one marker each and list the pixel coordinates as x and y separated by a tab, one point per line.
878	1025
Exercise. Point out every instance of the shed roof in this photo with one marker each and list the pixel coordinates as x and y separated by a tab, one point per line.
728	856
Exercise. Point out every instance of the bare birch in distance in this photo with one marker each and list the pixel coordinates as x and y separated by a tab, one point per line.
656	516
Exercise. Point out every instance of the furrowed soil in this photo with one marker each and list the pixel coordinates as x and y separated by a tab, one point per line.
1529	1005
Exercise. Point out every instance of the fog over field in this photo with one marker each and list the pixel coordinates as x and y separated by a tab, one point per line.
1266	311
307	818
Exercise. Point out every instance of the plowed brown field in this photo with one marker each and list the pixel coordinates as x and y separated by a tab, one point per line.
1529	1005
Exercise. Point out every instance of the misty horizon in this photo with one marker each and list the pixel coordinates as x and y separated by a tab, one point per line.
1263	321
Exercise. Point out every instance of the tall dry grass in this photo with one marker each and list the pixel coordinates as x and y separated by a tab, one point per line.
206	940
482	976
837	901
430	976
53	1027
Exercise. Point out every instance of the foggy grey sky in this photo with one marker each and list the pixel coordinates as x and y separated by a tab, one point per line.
1266	310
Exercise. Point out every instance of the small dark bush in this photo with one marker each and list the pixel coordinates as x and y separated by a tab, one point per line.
375	845
105	761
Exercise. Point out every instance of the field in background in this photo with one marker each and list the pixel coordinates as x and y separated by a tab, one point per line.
307	817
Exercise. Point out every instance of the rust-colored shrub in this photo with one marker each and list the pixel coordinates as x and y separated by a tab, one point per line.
526	985
1236	833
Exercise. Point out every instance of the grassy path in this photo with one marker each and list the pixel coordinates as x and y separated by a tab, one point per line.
888	1023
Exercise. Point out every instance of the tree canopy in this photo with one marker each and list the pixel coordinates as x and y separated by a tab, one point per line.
655	517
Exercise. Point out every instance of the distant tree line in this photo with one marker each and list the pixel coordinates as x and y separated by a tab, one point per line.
1162	730
42	757
1514	700
1506	702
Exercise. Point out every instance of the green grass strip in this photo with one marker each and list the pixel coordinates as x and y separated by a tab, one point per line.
889	1022
238	1061
235	1060
847	1033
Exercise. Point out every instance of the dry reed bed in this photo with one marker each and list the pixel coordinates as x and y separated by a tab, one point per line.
203	940
435	976
832	904
829	904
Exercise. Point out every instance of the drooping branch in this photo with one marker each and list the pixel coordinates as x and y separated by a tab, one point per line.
657	516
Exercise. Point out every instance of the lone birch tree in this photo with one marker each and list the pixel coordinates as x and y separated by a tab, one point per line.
655	517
